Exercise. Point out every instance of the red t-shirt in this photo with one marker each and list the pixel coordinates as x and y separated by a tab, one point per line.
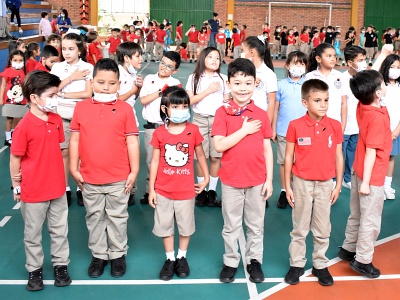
175	175
183	54
104	157
133	38
38	143
315	147
236	39
149	35
220	38
41	67
193	36
316	42
13	91
243	165
93	50
53	25
124	33
322	36
30	65
374	133
242	35
160	35
305	37
291	39
203	39
179	30
114	43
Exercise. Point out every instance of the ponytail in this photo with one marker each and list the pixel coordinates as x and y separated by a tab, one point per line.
318	51
261	46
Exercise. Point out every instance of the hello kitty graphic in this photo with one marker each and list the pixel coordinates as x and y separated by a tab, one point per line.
14	94
176	155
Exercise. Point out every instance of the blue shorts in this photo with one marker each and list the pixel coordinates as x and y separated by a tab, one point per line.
395	147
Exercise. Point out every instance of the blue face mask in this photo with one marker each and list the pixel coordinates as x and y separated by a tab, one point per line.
179	115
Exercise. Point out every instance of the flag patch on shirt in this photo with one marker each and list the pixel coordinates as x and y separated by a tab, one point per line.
304	141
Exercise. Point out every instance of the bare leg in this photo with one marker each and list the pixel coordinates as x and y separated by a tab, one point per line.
215	165
282	176
168	243
184	242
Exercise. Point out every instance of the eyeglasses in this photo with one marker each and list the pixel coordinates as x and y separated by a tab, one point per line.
168	67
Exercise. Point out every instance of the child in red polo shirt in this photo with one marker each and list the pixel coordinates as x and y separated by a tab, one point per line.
370	166
48	59
105	174
221	40
125	32
315	140
242	127
39	185
161	36
94	53
193	35
114	40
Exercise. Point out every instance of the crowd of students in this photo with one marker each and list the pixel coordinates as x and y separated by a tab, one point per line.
71	101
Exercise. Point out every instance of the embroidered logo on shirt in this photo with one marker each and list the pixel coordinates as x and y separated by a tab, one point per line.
330	141
176	155
338	83
304	141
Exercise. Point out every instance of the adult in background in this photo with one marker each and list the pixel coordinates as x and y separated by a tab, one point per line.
63	22
14	6
214	23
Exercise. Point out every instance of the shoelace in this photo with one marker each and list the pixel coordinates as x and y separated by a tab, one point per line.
35	275
118	262
61	271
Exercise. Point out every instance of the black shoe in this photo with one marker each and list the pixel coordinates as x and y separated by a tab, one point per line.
145	60
223	62
266	204
365	269
145	199
346	255
35	281
131	200
227	274
61	277
118	266
190	61
282	201
96	267
69	197
255	271
168	269
152	60
201	199
182	267
293	275
80	197
7	143
213	200
323	275
370	64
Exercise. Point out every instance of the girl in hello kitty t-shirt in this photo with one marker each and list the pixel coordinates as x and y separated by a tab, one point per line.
172	188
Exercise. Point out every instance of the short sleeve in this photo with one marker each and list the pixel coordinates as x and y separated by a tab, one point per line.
130	123
189	84
20	141
219	126
272	82
291	133
266	127
155	139
279	91
198	138
75	125
375	138
146	86
339	133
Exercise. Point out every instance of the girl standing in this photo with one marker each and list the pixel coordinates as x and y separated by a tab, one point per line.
32	53
11	98
171	184
390	70
75	75
336	45
203	38
207	90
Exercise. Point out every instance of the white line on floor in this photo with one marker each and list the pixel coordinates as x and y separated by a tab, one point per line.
4	221
4	148
251	287
17	206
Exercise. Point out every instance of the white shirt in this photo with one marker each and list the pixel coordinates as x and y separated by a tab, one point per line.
127	80
392	103
151	84
209	104
352	101
268	84
336	91
45	26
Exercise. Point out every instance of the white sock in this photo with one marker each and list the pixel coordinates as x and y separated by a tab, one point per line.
170	255
200	179
181	253
78	189
8	136
68	188
283	190
213	183
388	181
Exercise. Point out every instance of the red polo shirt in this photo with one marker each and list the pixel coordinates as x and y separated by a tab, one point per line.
114	42
243	165
305	37
103	129
38	143
160	35
179	30
124	33
41	67
242	35
315	147
291	39
193	36
30	65
374	133
220	38
236	39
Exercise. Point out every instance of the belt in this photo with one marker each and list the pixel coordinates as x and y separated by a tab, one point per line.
150	125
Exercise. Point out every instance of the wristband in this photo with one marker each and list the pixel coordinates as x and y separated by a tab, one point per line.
63	94
17	190
159	93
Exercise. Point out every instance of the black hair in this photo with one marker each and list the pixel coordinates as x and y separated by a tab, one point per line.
203	28
234	30
150	24
178	23
364	85
173	95
295	57
49	51
263	51
127	49
241	66
244	26
215	14
12	54
91	36
318	51
385	67
313	85
53	37
161	26
79	43
183	45
37	82
201	66
127	25
14	44
350	53
330	27
175	57
31	48
105	64
65	12
116	30
44	14
55	16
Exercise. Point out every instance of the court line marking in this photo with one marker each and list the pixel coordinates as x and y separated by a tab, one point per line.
4	148
4	221
17	206
333	261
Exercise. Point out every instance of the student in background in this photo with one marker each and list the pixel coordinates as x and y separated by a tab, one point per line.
49	58
221	41
44	26
94	53
55	41
32	53
149	42
183	52
114	40
193	34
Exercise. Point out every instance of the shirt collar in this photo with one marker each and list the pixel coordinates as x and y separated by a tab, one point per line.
300	82
382	109
312	122
106	103
250	106
51	118
214	75
77	65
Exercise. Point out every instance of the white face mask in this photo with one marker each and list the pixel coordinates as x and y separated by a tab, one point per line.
296	71
100	97
50	106
278	30
394	73
363	31
17	66
131	69
361	66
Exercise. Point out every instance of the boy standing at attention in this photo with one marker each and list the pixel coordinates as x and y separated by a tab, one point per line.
314	140
370	166
114	40
105	174
221	40
36	142
241	127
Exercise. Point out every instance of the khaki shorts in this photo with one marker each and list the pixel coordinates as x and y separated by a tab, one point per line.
370	51
280	149
67	134
167	210
192	47
205	124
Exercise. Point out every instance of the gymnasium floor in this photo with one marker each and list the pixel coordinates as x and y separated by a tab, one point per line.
146	255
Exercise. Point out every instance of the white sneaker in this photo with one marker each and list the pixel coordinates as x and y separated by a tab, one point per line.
21	31
12	23
347	185
389	193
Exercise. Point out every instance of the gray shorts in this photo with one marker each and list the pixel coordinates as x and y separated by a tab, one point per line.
280	149
67	134
14	111
192	47
205	124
